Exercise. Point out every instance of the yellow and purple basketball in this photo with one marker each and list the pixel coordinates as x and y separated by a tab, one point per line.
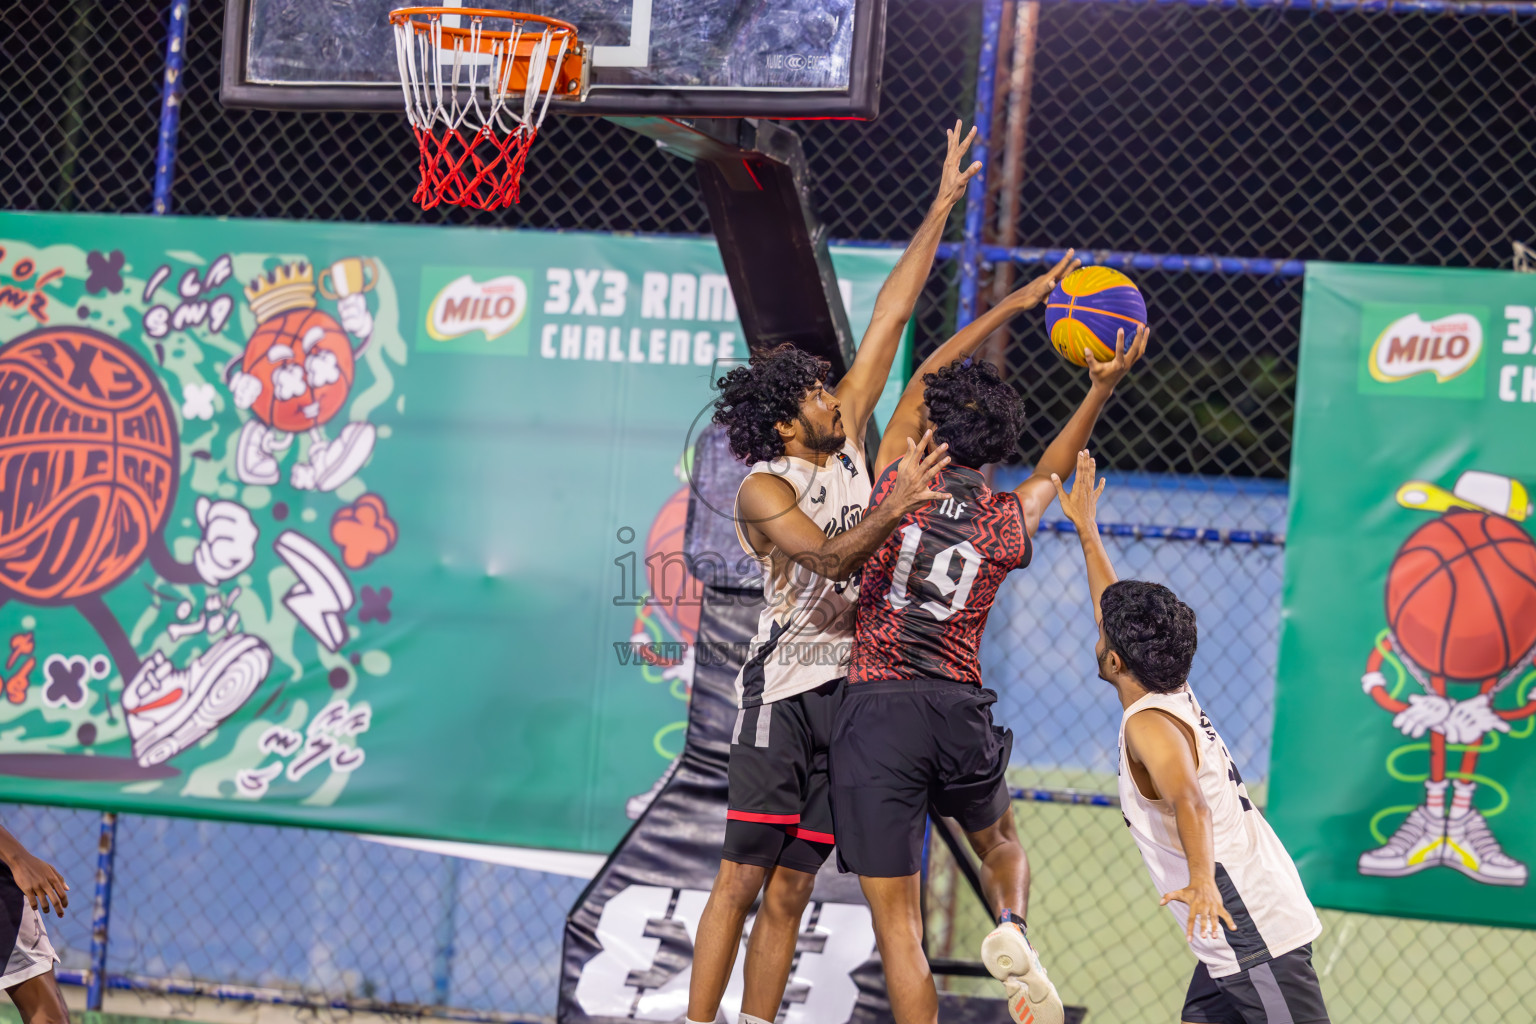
1086	310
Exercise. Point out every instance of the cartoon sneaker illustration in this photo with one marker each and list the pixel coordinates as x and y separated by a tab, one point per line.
168	709
1418	843
1471	849
333	463
1009	958
254	462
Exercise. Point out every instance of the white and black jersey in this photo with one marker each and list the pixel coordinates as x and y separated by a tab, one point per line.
1256	877
805	633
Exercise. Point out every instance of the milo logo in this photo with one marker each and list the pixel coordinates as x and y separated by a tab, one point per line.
1447	347
465	305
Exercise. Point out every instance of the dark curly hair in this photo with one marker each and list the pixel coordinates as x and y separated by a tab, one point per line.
1152	631
973	409
757	397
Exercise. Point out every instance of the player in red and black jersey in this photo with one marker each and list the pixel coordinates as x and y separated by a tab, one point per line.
915	727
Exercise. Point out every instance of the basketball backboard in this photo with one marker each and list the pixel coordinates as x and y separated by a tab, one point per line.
700	58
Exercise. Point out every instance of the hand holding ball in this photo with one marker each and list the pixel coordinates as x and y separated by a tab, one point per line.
1088	308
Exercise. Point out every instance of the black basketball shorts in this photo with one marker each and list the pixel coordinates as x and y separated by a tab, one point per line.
900	745
1283	990
779	807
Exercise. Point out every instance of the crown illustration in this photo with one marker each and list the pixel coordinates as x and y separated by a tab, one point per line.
290	286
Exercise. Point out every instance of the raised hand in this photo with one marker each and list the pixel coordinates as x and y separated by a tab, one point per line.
1081	504
953	183
1109	372
1038	290
915	472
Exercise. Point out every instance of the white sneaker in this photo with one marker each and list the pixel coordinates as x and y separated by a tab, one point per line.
1471	849
169	709
1009	958
1418	843
254	463
333	463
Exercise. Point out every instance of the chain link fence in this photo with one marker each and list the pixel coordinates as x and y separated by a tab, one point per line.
1384	135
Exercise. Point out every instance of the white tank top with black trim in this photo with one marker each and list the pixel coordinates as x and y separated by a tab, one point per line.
1258	881
805	632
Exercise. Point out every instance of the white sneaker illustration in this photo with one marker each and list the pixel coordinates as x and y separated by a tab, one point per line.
1009	958
169	709
1471	849
1418	843
254	463
333	463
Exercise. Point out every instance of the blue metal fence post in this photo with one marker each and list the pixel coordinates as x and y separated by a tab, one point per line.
976	194
101	911
170	106
442	961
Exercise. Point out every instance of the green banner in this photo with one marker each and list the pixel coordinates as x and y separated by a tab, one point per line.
1404	769
335	525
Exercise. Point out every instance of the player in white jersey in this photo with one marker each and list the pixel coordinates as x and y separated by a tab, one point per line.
800	515
1221	868
29	888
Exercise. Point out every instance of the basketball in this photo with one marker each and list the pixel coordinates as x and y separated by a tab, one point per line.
279	354
1088	308
89	461
1461	595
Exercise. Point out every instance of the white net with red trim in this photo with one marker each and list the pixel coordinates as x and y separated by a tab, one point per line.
473	142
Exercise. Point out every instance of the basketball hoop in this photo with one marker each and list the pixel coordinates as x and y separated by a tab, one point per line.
462	90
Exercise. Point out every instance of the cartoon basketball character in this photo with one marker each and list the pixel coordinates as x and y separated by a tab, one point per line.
1461	613
296	374
89	466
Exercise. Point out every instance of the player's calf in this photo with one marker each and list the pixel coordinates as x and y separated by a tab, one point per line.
39	1001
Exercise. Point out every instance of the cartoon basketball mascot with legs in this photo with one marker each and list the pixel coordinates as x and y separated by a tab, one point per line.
296	374
1461	615
89	466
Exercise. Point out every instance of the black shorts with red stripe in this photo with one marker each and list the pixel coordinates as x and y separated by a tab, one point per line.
780	803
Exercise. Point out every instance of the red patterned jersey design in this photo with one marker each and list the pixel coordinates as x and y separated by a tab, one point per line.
925	595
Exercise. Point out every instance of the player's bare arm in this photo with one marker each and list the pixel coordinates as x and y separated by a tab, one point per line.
907	420
1165	750
1036	493
860	387
772	517
1081	507
36	877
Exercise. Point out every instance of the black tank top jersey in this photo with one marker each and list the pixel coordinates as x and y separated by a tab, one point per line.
926	593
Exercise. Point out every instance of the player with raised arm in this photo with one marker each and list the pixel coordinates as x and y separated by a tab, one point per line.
29	888
915	727
800	513
1221	868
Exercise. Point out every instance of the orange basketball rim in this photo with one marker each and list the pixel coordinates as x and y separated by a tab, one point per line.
476	97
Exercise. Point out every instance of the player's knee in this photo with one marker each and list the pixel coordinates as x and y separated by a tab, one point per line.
738	884
788	893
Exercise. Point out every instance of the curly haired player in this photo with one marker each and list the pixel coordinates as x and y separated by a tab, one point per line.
1221	868
915	727
800	513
